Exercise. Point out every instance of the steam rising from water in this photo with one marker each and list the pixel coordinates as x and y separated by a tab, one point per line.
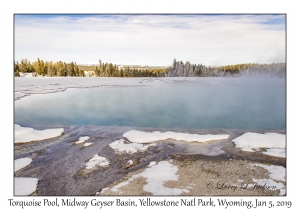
244	103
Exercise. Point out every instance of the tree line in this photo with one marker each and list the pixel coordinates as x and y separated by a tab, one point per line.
178	69
63	69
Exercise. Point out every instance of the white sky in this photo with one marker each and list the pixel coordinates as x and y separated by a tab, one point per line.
151	39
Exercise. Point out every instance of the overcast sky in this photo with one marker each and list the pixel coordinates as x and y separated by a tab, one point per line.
151	39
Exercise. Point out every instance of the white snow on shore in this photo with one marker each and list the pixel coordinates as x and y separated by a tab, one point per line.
24	134
270	184
22	163
87	144
116	188
275	152
82	139
25	86
144	137
96	160
25	74
156	176
275	173
120	146
253	141
25	185
152	163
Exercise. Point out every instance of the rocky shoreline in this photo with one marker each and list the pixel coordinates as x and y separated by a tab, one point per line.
210	168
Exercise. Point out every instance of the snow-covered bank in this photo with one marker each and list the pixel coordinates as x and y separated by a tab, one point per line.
156	176
144	137
25	185
82	139
25	86
275	173
97	160
24	134
201	177
26	74
22	163
274	142
120	146
275	152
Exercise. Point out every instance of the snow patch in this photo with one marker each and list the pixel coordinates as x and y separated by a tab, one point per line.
24	134
22	163
96	160
87	144
103	190
275	173
120	146
271	184
116	188
275	152
157	175
253	141
144	137
25	74
152	163
25	185
130	162
82	139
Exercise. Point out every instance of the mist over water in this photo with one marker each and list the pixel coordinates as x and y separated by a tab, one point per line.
237	103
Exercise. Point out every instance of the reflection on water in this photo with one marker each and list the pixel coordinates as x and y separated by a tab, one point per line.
205	103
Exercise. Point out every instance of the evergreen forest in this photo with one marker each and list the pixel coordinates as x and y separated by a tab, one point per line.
178	69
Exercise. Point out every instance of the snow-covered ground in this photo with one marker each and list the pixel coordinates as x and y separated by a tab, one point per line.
20	95
152	163
277	152
82	139
22	163
144	137
24	134
25	86
87	144
25	185
273	142
156	175
25	74
120	146
275	173
96	160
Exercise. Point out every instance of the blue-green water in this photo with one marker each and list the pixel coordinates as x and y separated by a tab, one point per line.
239	103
